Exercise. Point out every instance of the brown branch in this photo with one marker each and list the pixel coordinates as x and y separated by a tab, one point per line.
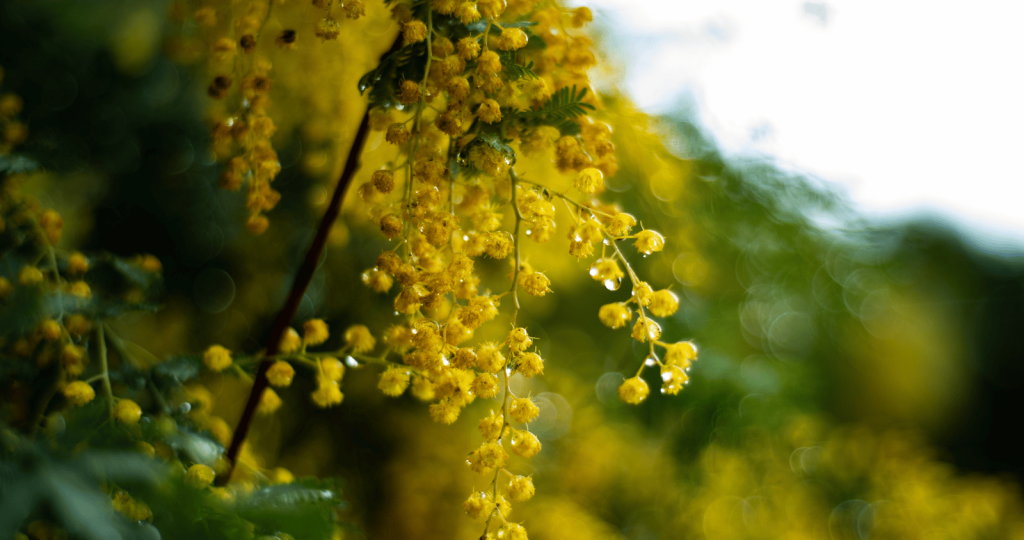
302	279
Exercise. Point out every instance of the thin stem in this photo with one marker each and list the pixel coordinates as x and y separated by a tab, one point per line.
104	367
299	285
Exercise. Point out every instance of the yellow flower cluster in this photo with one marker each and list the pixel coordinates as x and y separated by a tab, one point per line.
452	196
12	131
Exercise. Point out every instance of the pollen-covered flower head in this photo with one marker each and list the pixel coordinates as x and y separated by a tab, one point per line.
524	443
127	411
606	270
530	364
648	242
327	394
664	303
537	284
393	381
681	354
79	393
519	340
199	476
280	374
359	338
217	358
589	180
290	341
673	379
512	39
520	488
645	329
523	410
315	332
634	390
615	315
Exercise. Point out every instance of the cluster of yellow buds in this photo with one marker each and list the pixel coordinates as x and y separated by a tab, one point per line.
470	88
481	84
12	131
240	84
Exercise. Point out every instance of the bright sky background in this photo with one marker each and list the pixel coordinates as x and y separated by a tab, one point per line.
909	106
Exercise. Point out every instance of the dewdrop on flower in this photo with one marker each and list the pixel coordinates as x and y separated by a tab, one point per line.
673	379
645	330
620	224
606	270
680	354
643	293
478	505
217	358
589	180
648	242
634	390
664	303
530	364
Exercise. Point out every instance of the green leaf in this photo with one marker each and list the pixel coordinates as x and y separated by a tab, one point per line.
565	104
407	63
304	509
177	370
494	141
16	163
21	312
481	25
513	70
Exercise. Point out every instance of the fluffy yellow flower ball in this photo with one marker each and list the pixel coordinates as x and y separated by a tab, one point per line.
79	393
199	476
315	332
280	374
217	358
634	390
127	411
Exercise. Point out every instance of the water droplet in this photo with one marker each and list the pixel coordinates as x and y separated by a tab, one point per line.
650	361
666	375
606	242
593	271
613	284
445	361
351	362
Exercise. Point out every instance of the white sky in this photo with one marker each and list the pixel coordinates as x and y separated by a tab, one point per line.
909	105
